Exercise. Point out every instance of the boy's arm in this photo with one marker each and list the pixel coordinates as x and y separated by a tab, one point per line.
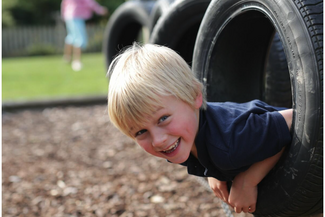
219	188
243	193
287	115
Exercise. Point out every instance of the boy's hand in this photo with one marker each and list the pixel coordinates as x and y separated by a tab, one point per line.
243	192
219	188
242	197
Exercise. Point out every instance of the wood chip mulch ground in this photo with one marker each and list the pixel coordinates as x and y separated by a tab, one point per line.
71	162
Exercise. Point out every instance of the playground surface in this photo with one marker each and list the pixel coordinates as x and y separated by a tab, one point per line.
71	161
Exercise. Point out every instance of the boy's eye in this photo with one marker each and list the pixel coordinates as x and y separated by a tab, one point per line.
163	118
140	132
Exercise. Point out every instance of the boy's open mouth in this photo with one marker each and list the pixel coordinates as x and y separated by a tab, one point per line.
172	148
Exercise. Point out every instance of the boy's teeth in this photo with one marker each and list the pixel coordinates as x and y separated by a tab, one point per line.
172	148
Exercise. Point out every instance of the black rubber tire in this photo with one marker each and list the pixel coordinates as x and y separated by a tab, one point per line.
178	27
158	10
125	26
277	86
230	59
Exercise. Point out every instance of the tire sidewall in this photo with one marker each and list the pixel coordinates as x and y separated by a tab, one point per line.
126	14
161	7
172	27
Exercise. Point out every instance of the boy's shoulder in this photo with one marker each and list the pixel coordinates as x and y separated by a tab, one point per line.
234	108
227	121
226	129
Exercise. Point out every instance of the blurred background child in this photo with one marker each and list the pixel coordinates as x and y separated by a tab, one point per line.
75	13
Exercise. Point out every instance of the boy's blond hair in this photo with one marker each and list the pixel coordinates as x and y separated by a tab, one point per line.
140	76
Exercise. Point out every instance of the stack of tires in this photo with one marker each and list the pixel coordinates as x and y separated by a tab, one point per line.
173	23
243	50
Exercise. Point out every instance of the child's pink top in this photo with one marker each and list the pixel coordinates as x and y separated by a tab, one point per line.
80	9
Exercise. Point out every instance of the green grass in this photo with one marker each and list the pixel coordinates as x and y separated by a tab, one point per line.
34	78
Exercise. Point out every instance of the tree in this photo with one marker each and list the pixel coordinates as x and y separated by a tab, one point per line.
7	18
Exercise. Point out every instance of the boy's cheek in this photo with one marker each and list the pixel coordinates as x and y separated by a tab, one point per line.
139	145
145	147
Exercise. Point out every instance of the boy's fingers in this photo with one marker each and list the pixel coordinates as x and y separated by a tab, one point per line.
219	189
225	195
249	209
238	209
252	208
246	209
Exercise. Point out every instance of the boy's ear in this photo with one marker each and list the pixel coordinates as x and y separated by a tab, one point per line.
198	101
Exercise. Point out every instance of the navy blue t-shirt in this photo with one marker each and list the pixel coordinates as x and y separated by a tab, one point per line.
233	136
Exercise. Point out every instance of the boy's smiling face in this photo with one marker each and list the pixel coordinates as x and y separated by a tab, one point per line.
170	132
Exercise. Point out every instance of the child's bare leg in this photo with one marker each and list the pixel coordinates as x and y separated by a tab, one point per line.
77	54
67	52
76	63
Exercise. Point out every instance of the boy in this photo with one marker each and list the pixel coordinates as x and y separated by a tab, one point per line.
155	99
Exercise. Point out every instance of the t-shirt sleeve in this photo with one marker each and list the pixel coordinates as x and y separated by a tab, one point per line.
257	137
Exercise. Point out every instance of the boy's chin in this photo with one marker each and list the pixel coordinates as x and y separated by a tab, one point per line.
178	160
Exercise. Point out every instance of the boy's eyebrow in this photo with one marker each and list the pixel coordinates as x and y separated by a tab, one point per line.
157	110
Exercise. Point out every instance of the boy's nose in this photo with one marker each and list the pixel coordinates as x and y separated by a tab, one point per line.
159	140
